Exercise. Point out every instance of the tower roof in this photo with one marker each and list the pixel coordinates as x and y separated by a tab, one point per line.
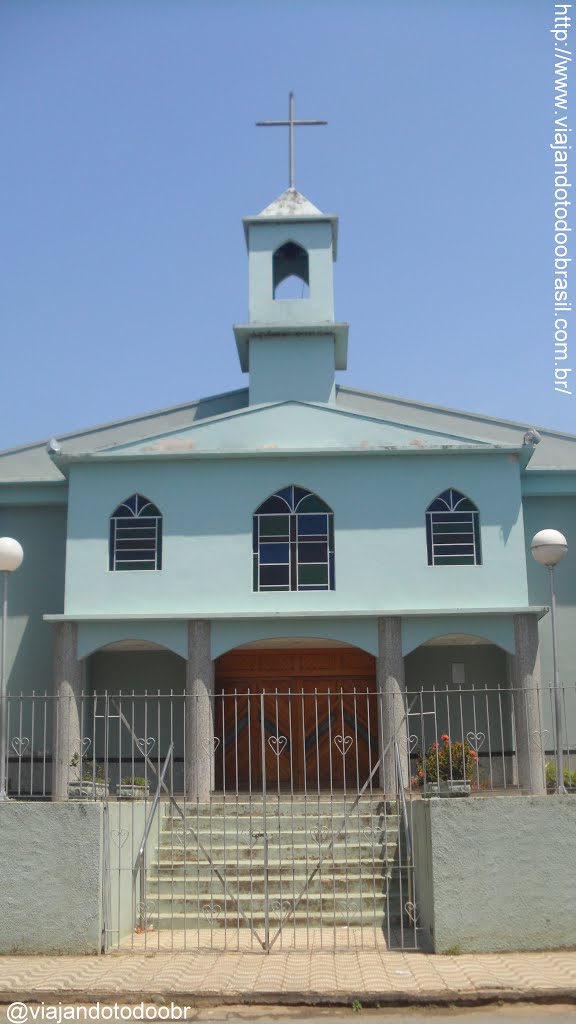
291	204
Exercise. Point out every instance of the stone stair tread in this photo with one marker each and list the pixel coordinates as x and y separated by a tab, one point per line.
356	876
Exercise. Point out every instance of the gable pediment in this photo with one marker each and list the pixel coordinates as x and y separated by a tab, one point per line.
291	426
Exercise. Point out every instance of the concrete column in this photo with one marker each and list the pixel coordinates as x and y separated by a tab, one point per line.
391	702
199	767
67	707
527	707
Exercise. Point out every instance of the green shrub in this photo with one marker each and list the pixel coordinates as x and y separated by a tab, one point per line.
134	780
88	769
569	777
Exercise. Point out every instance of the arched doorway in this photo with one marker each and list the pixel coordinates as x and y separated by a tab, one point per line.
458	685
295	718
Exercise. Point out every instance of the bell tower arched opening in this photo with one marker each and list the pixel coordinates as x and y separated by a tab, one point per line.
290	272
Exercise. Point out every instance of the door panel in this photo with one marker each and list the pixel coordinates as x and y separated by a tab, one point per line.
319	728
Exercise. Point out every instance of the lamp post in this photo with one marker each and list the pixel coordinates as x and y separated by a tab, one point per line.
11	555
548	548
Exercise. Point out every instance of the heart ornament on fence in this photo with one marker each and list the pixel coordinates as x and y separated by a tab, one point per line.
119	835
85	745
412	911
374	834
146	908
251	838
320	835
212	747
347	908
343	743
185	838
211	911
281	908
145	744
475	739
277	744
541	736
20	745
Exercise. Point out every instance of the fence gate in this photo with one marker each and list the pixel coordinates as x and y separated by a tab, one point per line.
296	846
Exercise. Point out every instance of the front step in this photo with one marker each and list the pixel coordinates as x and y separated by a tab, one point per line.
317	872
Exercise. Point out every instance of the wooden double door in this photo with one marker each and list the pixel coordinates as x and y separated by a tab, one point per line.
300	719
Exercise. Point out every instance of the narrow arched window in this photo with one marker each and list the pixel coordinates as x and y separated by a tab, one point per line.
136	535
290	272
453	530
293	542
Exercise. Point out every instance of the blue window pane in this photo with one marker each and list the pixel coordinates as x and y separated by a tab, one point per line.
316	524
274	553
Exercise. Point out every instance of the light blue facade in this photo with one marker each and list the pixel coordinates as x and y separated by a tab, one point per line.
376	461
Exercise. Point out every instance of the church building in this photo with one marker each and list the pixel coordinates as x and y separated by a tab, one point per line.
294	537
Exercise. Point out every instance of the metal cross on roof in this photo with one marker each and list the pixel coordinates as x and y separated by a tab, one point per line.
291	123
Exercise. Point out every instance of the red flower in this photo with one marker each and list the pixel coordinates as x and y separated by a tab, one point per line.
445	737
421	773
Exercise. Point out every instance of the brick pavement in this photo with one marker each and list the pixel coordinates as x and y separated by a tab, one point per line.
370	976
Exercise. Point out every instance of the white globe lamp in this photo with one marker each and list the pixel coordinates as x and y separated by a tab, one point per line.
548	547
11	554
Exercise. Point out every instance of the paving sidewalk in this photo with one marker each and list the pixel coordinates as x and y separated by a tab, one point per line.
331	979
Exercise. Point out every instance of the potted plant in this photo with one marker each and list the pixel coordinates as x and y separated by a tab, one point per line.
133	787
446	768
90	783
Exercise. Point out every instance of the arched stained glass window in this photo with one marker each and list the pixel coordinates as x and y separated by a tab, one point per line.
453	530
293	542
136	535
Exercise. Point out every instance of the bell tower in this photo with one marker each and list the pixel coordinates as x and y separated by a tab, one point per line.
291	346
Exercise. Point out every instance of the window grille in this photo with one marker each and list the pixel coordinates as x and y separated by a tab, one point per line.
293	542
453	530
135	535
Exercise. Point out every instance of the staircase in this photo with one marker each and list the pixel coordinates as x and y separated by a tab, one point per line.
215	870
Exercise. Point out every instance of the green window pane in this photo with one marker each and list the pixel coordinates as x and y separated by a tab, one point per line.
274	526
456	560
312	504
440	527
255	572
308	574
123	566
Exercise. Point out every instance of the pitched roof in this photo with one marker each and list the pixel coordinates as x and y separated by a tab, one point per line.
32	464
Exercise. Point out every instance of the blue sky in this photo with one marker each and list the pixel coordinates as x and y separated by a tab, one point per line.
130	156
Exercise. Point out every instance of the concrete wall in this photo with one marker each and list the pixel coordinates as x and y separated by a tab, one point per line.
496	873
381	559
51	863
